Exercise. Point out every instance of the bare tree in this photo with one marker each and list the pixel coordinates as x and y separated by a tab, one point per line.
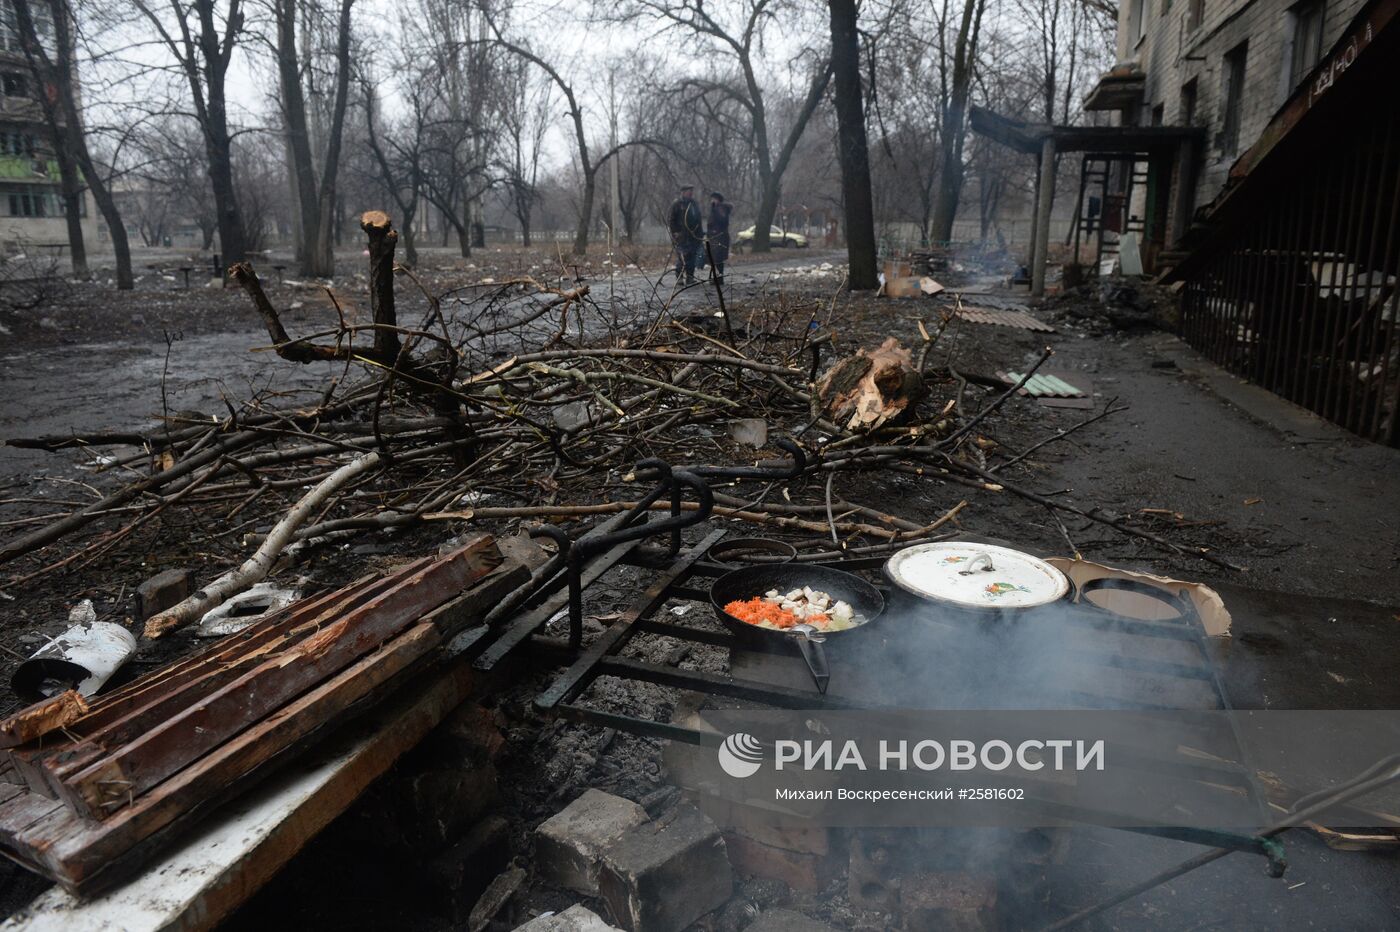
56	76
587	166
525	115
315	191
173	173
450	43
260	181
741	39
202	43
959	65
398	157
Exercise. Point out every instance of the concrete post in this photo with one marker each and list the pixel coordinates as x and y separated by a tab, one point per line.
1044	202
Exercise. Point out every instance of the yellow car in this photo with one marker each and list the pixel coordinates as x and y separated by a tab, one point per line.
776	237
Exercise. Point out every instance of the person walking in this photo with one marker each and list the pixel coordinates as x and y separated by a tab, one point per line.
717	233
686	232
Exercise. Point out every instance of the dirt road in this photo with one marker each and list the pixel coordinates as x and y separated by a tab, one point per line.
104	363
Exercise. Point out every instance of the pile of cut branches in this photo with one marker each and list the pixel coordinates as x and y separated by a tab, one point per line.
517	400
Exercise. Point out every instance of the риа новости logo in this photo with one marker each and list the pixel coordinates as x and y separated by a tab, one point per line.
740	755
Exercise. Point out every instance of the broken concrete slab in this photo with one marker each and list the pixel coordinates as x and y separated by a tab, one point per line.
569	846
787	920
751	431
576	918
667	874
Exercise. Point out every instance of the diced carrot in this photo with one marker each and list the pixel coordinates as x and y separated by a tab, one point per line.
758	610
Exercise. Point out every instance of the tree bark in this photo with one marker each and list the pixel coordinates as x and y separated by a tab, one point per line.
218	144
522	213
772	177
72	209
585	213
382	240
308	220
950	177
852	147
315	198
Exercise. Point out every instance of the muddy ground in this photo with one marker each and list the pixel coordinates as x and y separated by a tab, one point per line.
1195	458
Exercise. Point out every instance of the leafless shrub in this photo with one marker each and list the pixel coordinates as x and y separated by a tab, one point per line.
30	278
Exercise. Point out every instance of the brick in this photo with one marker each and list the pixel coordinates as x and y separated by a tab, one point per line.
787	920
873	876
162	591
805	873
667	874
569	846
951	901
769	827
576	918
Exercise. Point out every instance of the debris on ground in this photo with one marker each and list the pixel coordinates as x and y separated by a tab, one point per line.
512	405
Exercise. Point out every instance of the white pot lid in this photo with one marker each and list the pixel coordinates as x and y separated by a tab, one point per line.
974	575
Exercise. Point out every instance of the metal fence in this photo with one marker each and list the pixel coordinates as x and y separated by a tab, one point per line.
1302	298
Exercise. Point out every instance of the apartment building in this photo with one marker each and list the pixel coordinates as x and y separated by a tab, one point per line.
31	205
1222	65
1291	270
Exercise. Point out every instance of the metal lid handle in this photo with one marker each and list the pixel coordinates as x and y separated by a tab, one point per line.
982	561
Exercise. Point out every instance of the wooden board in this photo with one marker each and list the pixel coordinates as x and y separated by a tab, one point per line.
81	855
113	782
148	701
163	688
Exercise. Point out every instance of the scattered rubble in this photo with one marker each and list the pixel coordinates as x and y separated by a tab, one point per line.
576	918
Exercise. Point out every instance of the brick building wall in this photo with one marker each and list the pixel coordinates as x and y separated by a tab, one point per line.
1174	51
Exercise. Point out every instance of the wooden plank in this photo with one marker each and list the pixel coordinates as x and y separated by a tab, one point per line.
102	731
224	862
37	720
43	764
80	854
114	782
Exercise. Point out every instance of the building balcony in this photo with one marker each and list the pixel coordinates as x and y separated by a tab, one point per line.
28	168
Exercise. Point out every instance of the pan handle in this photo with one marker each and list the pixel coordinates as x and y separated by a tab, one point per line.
810	642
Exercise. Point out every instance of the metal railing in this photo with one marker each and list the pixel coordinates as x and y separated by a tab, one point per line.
1304	297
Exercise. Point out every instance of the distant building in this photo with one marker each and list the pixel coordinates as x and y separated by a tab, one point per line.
31	202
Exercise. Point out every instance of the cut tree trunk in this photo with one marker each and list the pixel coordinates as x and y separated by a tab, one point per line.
382	241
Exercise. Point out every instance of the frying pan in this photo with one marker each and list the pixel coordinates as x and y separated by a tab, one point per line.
751	581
